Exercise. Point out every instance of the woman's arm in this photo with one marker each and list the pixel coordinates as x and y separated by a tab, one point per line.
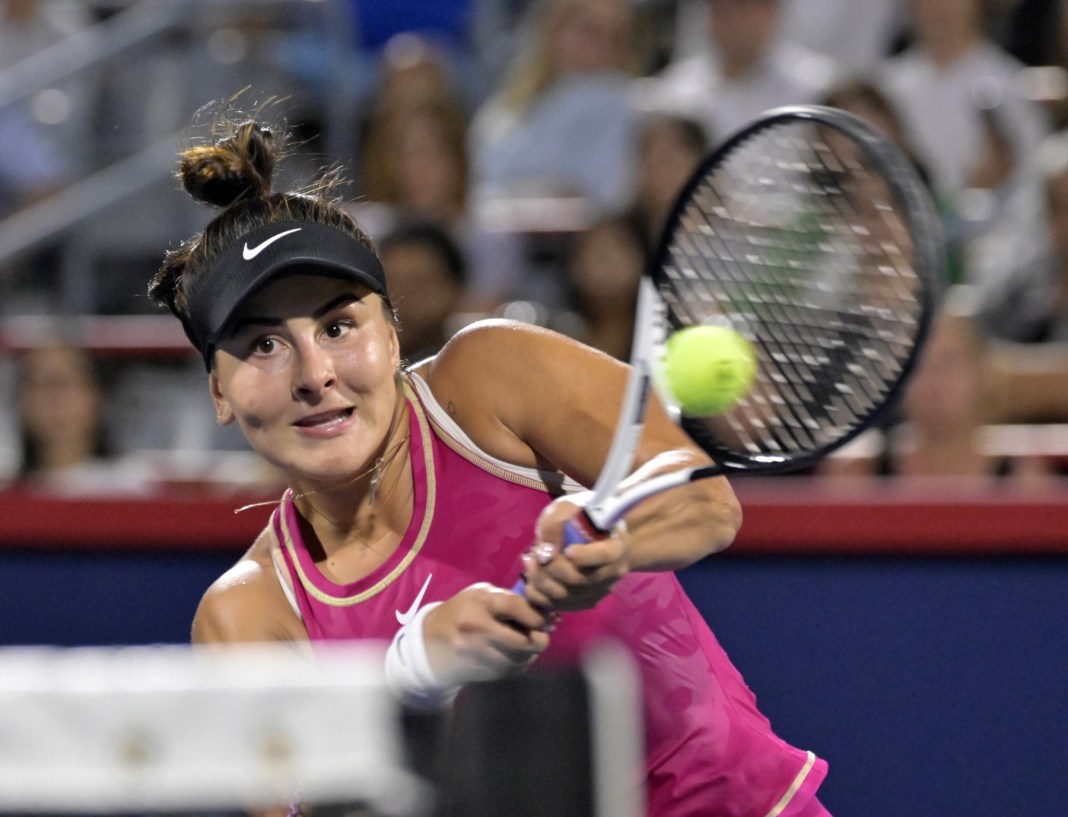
665	532
535	398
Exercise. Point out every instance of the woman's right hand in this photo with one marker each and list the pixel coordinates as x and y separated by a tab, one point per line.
484	633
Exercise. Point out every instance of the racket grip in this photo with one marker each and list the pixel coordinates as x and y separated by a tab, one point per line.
577	531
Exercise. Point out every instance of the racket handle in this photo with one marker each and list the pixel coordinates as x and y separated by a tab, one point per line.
577	531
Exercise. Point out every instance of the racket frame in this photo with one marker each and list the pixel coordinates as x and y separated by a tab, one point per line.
922	223
606	507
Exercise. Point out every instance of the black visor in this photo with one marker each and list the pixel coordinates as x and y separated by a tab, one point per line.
266	254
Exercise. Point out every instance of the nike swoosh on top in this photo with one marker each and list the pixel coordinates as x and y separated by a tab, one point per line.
404	618
249	253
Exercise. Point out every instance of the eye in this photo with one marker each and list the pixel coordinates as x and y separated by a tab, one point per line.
264	346
336	329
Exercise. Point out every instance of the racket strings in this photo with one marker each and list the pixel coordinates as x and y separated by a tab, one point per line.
800	244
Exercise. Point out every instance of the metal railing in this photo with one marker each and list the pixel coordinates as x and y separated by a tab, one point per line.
109	193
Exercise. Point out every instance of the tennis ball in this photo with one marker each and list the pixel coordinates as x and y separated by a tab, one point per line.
708	368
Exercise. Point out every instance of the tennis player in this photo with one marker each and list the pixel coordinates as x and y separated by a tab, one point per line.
415	493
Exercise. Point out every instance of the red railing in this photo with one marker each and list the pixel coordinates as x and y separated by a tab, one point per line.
783	515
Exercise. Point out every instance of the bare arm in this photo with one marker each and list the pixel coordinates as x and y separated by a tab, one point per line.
535	398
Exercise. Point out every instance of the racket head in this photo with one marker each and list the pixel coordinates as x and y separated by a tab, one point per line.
815	237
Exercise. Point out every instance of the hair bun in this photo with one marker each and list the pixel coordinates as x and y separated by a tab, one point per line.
237	167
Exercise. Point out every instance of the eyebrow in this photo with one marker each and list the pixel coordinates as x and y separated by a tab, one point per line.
325	309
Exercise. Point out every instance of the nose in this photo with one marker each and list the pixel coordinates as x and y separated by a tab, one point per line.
313	372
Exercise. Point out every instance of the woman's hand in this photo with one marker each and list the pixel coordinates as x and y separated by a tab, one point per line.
484	633
577	576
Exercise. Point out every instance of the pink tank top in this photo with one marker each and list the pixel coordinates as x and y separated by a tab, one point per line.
709	751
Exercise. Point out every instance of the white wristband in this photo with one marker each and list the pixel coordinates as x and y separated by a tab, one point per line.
408	672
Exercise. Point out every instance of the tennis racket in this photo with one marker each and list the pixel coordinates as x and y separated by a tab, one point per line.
813	236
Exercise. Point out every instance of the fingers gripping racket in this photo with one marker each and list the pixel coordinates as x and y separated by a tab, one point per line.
815	238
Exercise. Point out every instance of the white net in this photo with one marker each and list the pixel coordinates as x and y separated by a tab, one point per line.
163	731
158	729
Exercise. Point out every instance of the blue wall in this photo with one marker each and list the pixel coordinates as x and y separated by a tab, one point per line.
933	687
92	597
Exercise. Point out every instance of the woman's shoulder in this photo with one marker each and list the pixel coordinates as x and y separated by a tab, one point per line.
502	381
482	352
246	603
504	347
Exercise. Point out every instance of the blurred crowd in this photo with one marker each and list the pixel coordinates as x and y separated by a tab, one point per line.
518	158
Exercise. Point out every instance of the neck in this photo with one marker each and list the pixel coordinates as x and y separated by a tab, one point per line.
370	506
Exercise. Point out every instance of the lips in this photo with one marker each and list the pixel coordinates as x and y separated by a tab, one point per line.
325	419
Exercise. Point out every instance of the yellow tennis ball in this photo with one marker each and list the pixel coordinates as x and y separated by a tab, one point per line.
707	369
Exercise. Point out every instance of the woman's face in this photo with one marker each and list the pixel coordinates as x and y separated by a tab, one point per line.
665	163
934	19
742	30
429	170
60	400
593	35
308	375
606	268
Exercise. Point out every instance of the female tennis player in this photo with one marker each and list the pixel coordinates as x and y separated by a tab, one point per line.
415	493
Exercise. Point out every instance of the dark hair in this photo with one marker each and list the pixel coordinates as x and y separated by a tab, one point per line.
431	236
235	173
864	90
867	91
692	133
379	178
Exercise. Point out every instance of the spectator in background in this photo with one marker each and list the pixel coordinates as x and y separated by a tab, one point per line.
749	67
562	124
414	167
951	397
33	167
865	97
427	274
354	45
1026	299
858	34
670	147
38	155
414	163
1000	214
411	71
604	266
945	80
64	441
